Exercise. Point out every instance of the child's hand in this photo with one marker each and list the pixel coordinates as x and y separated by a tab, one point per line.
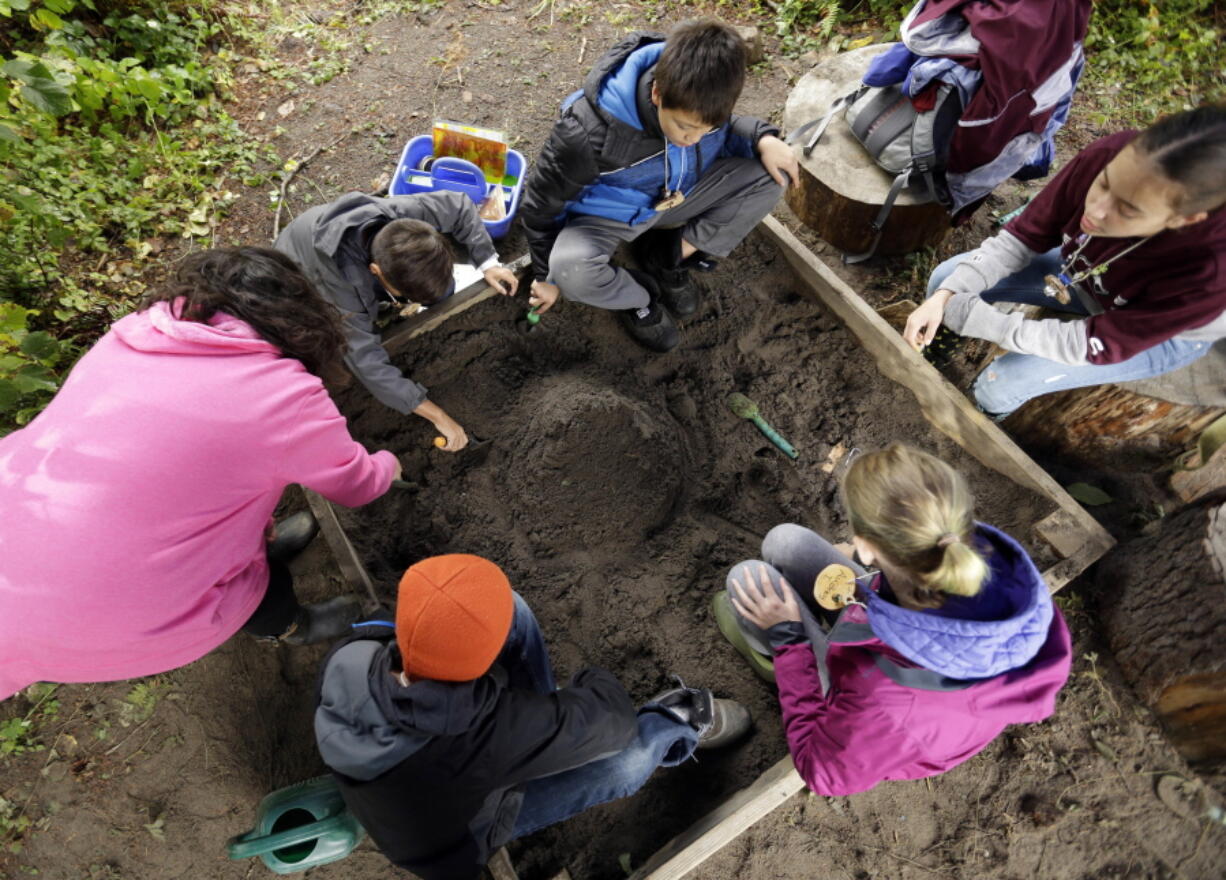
452	433
543	296
923	323
760	604
501	279
779	161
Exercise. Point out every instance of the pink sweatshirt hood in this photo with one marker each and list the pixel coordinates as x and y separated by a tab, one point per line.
158	329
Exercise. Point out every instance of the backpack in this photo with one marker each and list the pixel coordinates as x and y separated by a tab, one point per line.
912	145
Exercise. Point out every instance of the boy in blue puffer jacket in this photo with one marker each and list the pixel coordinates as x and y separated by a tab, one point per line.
650	143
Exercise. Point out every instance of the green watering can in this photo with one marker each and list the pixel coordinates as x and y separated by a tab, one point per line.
300	827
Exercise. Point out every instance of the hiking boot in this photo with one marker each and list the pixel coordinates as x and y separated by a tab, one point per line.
658	252
323	621
293	534
718	722
725	618
650	326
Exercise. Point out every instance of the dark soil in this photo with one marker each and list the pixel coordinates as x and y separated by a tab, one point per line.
617	488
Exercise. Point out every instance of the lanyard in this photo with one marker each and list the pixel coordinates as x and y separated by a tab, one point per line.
1057	286
672	197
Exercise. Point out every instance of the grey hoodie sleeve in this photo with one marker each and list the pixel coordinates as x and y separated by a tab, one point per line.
451	213
966	314
1050	338
997	258
366	357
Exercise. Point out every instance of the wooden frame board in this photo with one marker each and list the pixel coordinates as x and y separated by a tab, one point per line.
1081	540
1072	532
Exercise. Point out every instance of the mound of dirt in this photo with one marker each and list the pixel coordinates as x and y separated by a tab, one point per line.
617	489
556	476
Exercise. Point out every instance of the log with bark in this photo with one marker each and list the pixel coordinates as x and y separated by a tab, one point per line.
841	188
1109	427
1163	604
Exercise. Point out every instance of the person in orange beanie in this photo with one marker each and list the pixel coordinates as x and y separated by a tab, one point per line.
449	737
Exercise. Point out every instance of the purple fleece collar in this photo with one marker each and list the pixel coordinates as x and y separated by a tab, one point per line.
1000	629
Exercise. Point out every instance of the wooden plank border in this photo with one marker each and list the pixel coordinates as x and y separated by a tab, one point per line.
946	407
712	832
1074	534
461	300
347	558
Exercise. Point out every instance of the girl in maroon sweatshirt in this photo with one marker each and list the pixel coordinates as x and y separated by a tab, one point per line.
1130	234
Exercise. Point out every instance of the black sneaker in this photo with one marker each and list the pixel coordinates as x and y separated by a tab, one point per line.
651	327
293	535
718	722
658	252
323	621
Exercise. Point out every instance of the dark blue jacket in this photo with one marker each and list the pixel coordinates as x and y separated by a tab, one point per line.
433	771
606	154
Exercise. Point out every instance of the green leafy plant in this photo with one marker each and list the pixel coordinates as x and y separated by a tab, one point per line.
20	734
1157	57
113	141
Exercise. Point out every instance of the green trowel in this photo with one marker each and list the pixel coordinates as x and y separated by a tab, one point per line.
747	409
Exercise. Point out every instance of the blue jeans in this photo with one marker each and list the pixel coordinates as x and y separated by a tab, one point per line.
1012	379
662	740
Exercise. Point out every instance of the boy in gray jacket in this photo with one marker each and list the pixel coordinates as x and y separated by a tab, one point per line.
361	250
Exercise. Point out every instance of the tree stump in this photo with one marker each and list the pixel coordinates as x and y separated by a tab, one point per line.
1107	426
1164	611
840	188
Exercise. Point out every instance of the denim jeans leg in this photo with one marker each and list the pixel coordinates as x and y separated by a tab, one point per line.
1011	380
524	655
662	742
1024	286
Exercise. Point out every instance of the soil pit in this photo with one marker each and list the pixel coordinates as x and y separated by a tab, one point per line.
616	489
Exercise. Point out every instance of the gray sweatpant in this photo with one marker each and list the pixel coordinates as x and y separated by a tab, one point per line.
796	554
731	198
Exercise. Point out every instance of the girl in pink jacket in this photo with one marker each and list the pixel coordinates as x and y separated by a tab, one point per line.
136	504
930	658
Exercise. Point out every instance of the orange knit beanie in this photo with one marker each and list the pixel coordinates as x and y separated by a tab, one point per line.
452	617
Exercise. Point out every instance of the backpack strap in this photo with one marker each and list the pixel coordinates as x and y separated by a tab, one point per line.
818	126
878	224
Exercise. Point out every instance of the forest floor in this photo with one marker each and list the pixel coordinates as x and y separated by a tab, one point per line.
148	779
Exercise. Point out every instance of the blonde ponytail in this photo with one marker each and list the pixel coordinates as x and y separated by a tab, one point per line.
919	514
961	571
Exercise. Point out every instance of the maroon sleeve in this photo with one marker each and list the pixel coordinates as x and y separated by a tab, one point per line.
1058	208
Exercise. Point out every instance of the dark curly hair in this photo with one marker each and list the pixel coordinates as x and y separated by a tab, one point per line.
267	290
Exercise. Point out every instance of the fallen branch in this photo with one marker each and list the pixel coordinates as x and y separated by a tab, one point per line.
287	176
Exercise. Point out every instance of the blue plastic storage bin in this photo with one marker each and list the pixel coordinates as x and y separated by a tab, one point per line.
458	175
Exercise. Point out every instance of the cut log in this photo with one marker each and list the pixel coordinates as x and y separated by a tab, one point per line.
841	189
1164	611
1109	426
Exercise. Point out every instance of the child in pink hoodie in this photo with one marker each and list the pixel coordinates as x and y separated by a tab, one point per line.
135	505
929	660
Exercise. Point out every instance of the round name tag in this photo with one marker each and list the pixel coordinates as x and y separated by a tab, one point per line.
835	587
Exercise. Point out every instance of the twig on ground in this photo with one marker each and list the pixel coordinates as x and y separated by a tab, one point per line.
128	737
901	858
287	176
582	49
